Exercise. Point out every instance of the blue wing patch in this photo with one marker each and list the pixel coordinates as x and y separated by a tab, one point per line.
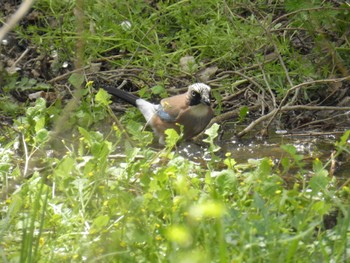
164	115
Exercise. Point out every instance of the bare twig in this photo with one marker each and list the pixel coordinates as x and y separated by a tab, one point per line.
256	122
67	74
234	95
20	57
308	107
225	116
294	29
302	85
268	86
308	83
26	163
253	66
303	134
288	108
322	121
21	12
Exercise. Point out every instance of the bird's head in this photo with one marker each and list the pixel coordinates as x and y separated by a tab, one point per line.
199	93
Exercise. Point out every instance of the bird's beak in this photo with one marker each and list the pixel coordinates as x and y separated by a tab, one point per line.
205	101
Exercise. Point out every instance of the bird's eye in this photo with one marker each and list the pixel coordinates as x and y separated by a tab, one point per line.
193	93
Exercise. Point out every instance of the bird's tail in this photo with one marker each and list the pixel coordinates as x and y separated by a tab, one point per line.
124	95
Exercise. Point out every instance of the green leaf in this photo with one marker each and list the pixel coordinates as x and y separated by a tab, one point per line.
8	107
103	97
292	151
172	137
158	89
212	133
320	207
85	134
229	162
259	201
243	112
39	124
318	168
65	168
343	140
40	105
285	164
99	223
14	209
136	130
318	183
42	135
76	79
101	149
292	5
265	168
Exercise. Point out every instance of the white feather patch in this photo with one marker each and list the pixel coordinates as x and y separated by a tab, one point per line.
147	109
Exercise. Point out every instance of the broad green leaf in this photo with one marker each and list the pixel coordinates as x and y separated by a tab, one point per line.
39	124
243	112
103	97
172	137
158	89
317	167
42	135
76	79
212	133
318	183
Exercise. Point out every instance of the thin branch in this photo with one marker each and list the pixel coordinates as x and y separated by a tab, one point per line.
234	95
251	80
253	66
307	107
26	163
291	134
67	74
21	12
323	121
308	83
294	29
256	122
302	85
288	108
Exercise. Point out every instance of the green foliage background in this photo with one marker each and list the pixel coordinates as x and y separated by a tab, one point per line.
97	192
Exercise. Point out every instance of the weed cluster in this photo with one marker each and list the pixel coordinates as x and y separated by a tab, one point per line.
82	185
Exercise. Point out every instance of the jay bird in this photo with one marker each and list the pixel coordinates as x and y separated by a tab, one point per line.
191	110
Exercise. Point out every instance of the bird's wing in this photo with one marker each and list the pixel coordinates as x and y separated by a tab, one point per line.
171	108
165	116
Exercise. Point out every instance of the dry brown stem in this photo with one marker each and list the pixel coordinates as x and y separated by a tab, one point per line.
15	18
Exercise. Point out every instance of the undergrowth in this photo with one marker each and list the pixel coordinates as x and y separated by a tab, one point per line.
99	192
90	204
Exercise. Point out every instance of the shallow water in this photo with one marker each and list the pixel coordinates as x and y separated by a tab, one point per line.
253	147
243	149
